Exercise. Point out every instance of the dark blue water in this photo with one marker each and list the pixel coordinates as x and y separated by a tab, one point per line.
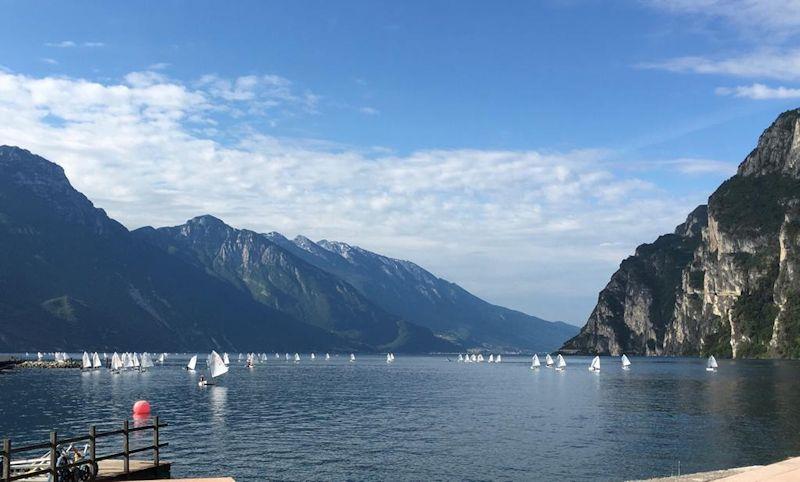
426	418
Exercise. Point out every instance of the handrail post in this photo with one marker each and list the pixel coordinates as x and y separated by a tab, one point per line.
155	441
125	447
53	454
7	460
93	443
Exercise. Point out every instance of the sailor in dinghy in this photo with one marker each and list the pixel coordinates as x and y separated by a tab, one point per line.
711	365
595	365
626	363
535	364
216	368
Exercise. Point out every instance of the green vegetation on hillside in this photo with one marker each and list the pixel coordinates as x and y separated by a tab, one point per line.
753	204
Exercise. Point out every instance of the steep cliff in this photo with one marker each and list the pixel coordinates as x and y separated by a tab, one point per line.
726	282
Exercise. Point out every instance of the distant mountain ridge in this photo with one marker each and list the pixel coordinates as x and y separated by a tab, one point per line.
70	277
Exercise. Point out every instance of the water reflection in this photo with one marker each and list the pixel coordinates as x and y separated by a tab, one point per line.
424	418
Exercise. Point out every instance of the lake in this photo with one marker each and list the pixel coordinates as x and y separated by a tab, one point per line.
427	418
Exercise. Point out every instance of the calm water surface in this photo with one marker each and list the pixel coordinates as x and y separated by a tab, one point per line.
426	418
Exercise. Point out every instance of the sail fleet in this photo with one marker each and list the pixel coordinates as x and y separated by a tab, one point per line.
217	364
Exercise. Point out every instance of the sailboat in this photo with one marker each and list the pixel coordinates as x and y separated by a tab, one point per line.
535	362
297	358
86	362
561	364
135	358
548	361
250	363
327	356
474	358
192	363
313	357
162	358
127	361
626	364
352	358
216	367
225	359
711	365
277	357
116	363
147	362
498	359
96	363
595	365
491	358
388	358
460	358
287	357
480	357
39	356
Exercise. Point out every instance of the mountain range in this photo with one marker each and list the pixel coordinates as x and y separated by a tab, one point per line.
727	281
72	277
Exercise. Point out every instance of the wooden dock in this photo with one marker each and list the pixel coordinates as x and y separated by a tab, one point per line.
108	470
61	456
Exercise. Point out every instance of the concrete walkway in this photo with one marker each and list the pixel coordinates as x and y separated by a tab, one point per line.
788	470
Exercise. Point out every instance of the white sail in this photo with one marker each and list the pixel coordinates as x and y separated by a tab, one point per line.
625	361
491	359
313	356
498	359
473	358
192	363
480	357
296	357
147	361
535	361
225	359
460	358
116	362
127	360
277	356
86	362
287	357
352	357
39	356
216	365
327	356
560	362
388	358
711	365
135	358
548	360
595	365
162	358
96	363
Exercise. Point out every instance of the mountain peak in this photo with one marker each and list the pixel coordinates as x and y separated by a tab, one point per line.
778	149
207	220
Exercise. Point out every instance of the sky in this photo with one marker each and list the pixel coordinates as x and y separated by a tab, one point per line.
520	149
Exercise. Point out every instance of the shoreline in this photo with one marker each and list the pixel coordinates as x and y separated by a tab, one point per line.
785	470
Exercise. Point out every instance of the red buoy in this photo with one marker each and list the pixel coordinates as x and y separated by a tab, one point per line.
142	407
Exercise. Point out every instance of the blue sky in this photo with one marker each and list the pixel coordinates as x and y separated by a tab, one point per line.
520	149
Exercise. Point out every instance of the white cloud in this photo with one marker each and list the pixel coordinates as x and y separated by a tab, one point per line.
699	166
369	111
760	92
781	65
775	17
63	44
484	218
66	44
49	61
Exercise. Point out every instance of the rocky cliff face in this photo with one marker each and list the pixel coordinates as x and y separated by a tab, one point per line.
726	282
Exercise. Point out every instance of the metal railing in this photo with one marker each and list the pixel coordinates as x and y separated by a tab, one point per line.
92	460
